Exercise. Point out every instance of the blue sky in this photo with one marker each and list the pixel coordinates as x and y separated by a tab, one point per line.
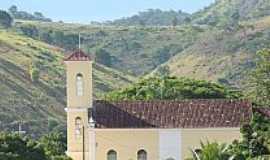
100	10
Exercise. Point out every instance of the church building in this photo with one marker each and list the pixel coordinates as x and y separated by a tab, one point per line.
142	130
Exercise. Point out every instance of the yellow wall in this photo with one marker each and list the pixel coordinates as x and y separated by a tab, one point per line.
73	68
191	137
77	106
127	142
75	142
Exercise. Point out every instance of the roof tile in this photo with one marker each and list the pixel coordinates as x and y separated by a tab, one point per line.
78	56
172	114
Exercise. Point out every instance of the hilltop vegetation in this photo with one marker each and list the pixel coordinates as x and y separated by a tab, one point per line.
227	13
23	15
32	77
153	17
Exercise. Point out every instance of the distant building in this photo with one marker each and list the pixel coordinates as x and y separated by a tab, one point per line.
142	130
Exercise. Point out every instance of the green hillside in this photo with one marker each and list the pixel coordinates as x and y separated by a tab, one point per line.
138	49
34	101
225	13
224	55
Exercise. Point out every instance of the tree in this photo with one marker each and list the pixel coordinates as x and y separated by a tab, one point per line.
103	57
261	79
13	9
29	30
5	19
141	22
15	147
38	15
54	145
211	151
174	22
172	88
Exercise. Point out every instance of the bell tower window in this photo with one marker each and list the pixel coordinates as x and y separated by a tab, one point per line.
79	84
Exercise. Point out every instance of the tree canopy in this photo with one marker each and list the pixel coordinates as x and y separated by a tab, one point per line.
5	19
17	147
172	88
260	82
38	16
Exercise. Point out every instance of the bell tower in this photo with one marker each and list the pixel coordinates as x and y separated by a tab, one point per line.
79	100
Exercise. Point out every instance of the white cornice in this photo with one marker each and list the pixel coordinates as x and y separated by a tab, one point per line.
78	109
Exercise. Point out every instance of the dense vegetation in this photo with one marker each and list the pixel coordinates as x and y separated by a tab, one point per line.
255	141
172	88
36	16
5	19
17	147
260	80
153	17
254	145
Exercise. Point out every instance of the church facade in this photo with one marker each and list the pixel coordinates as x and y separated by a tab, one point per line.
142	130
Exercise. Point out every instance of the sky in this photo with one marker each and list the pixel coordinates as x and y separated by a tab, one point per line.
85	11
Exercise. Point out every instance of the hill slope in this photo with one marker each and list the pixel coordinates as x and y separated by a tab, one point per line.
227	12
138	49
225	55
34	102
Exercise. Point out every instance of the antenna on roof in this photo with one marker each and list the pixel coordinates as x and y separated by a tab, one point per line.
79	41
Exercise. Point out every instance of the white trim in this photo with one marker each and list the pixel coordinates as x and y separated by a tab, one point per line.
92	144
76	109
160	129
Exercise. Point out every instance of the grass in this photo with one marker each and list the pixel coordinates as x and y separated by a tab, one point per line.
35	102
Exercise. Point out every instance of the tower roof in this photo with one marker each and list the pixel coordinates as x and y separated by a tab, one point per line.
78	55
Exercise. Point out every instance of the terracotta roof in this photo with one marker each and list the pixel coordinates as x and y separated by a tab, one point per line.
78	56
172	114
263	111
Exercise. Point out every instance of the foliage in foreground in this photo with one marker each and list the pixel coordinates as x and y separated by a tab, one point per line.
261	79
211	151
16	147
172	88
254	145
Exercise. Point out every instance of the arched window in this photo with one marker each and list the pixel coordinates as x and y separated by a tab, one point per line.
141	155
79	84
111	155
78	126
